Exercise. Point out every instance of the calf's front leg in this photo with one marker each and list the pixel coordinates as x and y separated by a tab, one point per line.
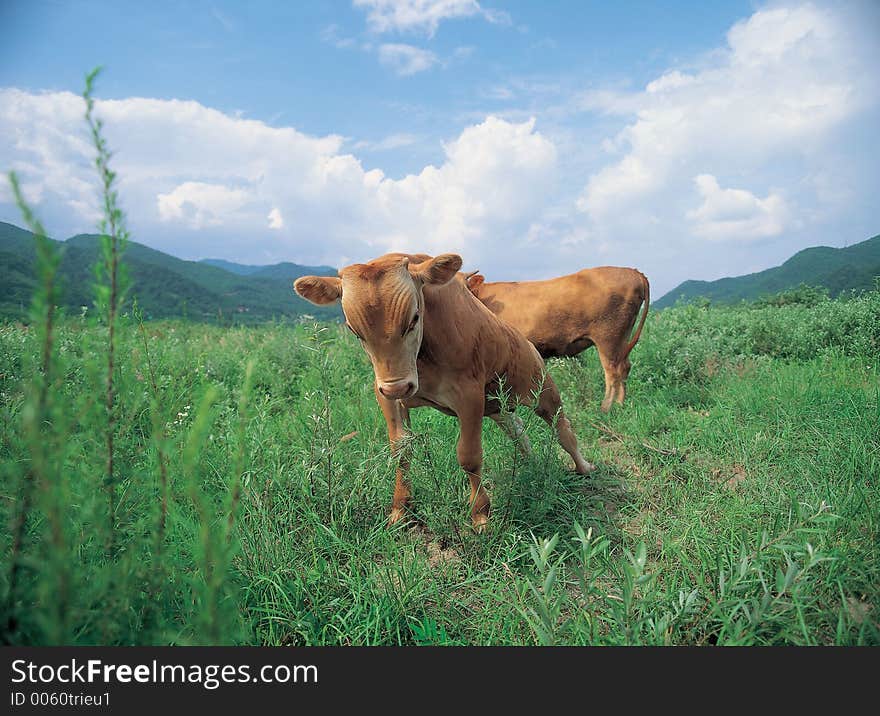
397	421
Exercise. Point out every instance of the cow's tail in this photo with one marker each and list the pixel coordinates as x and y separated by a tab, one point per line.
647	301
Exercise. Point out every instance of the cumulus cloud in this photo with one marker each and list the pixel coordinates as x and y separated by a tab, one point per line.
495	177
735	213
786	78
423	16
406	60
199	182
200	205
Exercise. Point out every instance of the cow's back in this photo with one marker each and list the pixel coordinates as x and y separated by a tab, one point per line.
565	315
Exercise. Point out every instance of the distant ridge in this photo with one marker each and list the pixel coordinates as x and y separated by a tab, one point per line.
285	269
165	286
238	269
852	267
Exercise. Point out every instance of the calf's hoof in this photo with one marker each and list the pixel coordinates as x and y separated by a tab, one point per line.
480	523
397	514
585	468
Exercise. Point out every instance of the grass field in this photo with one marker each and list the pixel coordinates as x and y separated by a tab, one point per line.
736	499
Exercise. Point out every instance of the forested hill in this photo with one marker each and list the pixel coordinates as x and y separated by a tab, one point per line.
165	286
284	270
853	267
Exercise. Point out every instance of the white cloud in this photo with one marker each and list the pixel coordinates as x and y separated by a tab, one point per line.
736	213
197	182
50	159
669	81
630	177
199	205
276	221
406	60
496	176
785	80
423	16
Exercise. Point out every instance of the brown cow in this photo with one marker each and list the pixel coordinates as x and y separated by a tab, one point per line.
566	315
432	343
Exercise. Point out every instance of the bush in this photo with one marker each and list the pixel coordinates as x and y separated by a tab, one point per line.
690	342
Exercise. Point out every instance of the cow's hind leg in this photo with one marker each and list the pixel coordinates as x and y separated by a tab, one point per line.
622	369
549	409
607	368
616	373
513	427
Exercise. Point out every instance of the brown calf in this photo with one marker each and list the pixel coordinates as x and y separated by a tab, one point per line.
432	343
566	315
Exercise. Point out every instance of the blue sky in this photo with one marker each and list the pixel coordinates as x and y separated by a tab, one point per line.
689	139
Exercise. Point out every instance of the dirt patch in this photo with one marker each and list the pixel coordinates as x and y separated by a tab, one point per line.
636	525
859	611
438	554
730	477
745	367
711	366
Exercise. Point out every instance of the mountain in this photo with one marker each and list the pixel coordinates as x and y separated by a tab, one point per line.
165	286
284	270
853	267
240	269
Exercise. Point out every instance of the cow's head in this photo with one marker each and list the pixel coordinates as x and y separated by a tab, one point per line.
474	281
384	305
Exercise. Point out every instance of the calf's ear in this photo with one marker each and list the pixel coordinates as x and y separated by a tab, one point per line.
437	271
320	290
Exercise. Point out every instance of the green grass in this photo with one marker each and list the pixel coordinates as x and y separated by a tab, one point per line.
735	501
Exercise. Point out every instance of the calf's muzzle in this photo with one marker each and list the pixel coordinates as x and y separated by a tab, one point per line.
398	390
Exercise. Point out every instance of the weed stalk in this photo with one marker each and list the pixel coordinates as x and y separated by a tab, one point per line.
37	418
110	288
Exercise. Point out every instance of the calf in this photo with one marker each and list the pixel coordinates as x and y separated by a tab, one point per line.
566	315
433	344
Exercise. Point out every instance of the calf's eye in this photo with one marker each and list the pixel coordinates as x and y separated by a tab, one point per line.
412	324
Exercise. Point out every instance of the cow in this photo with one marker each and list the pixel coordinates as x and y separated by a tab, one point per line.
432	343
566	315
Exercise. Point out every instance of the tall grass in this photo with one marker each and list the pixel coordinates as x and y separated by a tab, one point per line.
79	569
40	431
